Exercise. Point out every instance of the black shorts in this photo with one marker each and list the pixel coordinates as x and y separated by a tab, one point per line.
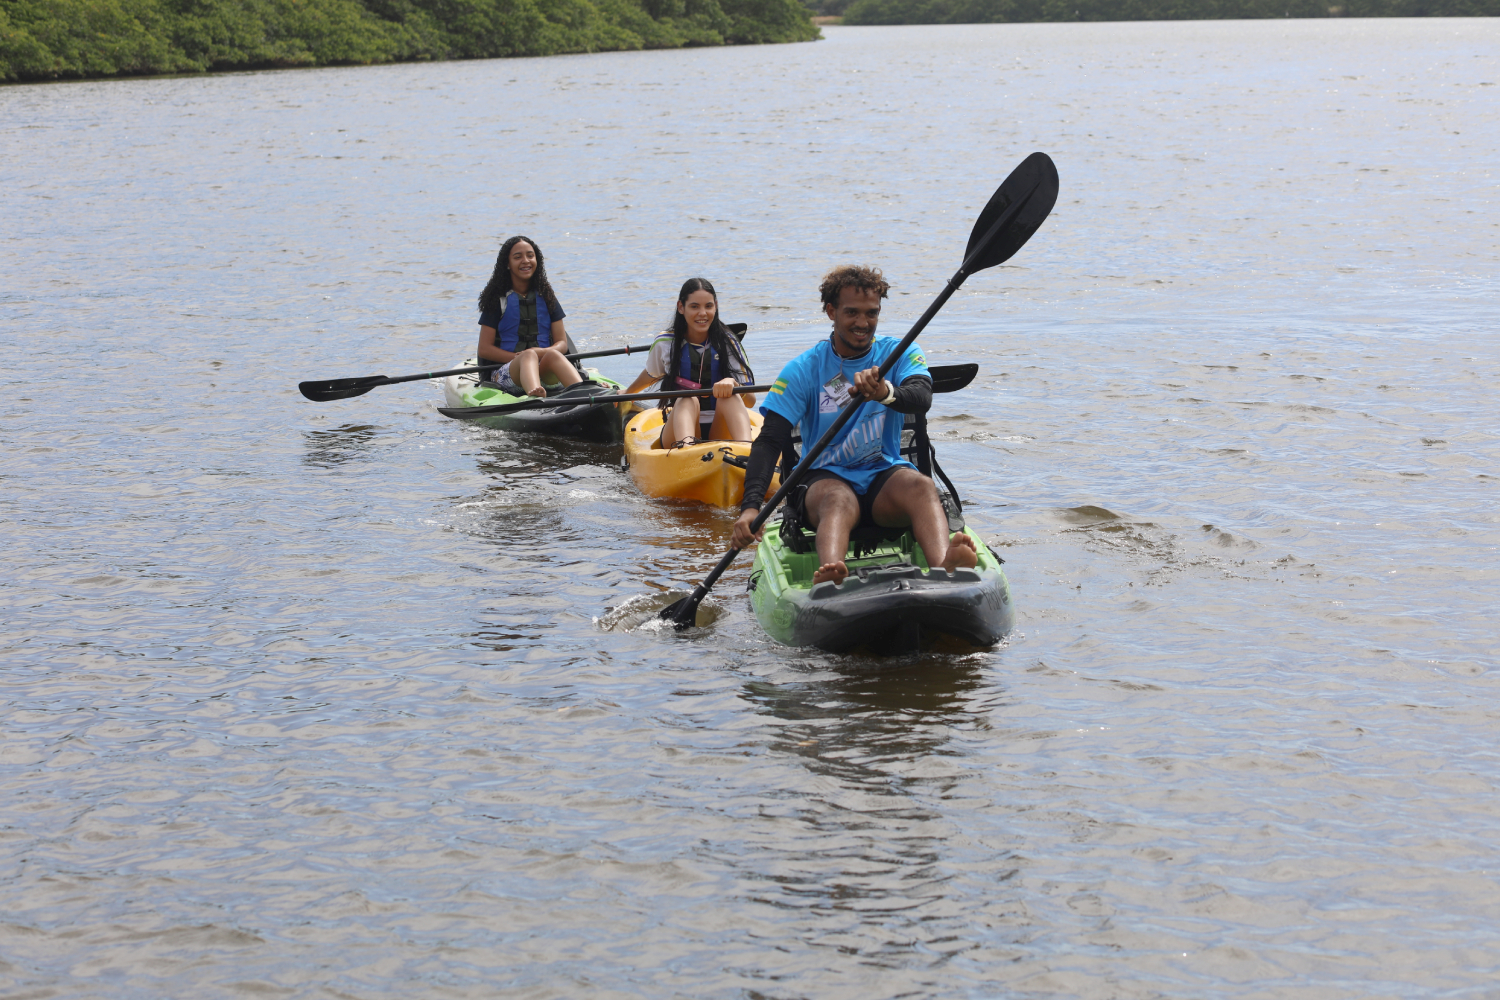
866	499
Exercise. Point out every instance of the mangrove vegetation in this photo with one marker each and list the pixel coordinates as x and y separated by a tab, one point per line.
57	39
989	11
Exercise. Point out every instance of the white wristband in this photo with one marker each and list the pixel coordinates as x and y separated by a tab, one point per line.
890	397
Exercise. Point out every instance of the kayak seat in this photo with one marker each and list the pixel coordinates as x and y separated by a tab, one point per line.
917	449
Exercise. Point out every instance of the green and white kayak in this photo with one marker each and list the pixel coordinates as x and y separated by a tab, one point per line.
598	423
891	601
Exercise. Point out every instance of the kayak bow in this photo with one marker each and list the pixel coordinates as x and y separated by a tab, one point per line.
711	472
890	602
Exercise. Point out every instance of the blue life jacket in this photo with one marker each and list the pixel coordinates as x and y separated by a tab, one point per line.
686	372
509	330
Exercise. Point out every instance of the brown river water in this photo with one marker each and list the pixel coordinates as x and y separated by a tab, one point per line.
349	700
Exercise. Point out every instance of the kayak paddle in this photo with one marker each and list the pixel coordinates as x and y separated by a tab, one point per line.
951	378
591	399
1015	211
945	378
327	390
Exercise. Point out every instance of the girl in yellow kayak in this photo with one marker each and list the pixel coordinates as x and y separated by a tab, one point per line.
521	323
699	352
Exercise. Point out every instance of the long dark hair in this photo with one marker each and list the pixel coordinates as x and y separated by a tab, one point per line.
724	343
500	281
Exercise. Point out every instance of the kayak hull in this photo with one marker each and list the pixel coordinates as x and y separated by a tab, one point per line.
710	472
594	423
890	602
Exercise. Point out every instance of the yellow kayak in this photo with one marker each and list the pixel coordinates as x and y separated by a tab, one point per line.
710	472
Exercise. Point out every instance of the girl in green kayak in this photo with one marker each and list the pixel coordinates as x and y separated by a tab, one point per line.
521	323
699	352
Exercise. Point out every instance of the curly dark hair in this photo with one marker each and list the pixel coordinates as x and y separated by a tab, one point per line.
500	284
866	279
725	344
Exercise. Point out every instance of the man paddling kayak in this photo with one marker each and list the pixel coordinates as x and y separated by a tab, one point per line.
861	479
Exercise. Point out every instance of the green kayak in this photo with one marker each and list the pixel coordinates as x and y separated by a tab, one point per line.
891	600
598	423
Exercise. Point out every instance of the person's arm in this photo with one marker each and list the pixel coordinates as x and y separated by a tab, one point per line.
913	396
656	365
488	352
642	380
740	378
774	438
559	337
724	388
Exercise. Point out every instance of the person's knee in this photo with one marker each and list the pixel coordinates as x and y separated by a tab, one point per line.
913	483
830	498
906	495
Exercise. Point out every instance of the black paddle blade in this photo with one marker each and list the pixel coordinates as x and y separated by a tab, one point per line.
951	378
327	390
1033	186
682	614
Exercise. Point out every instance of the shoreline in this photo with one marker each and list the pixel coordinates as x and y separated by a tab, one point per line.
869	13
52	41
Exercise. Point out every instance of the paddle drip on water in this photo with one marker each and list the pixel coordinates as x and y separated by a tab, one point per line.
643	611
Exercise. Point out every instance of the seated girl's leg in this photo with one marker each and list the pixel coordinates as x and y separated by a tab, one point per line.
525	372
731	420
501	377
553	363
682	422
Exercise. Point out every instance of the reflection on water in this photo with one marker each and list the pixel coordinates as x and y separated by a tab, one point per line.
874	863
871	712
327	449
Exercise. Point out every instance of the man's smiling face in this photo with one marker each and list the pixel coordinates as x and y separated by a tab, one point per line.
854	321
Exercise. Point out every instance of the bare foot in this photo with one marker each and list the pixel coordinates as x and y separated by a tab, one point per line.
835	571
961	553
538	391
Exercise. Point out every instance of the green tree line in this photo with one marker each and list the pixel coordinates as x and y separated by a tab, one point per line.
55	39
990	11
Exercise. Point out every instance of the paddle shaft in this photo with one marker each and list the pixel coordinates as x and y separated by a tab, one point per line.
688	613
533	404
501	364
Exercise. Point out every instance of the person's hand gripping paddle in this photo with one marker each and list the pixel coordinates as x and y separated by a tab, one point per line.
1017	209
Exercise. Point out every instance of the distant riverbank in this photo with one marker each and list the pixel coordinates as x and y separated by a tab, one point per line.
994	11
61	39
